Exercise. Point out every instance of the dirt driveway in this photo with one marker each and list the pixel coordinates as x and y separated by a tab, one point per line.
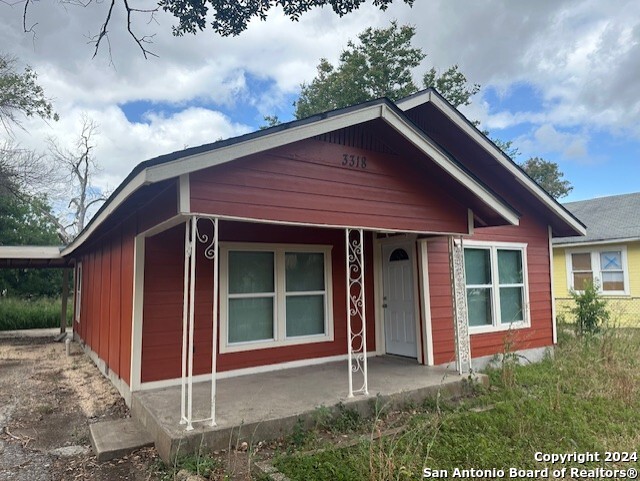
47	401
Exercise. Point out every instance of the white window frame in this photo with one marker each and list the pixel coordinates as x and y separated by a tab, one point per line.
596	268
78	292
280	338
496	325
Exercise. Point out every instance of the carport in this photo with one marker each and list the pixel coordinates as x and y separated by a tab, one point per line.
40	257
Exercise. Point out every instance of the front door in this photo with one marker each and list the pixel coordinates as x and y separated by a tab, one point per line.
398	300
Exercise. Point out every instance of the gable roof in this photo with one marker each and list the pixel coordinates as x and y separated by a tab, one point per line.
431	96
608	219
208	155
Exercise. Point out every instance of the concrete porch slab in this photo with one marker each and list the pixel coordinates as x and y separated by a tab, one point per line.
113	439
266	406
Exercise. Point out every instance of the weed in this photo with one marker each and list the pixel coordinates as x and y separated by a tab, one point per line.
584	398
348	420
30	313
300	435
322	417
590	310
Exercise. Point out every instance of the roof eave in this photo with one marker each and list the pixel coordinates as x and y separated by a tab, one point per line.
432	96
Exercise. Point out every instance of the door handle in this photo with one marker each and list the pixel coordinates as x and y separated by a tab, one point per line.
384	305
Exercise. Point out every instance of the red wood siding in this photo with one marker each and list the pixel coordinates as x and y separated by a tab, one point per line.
163	292
305	182
535	235
108	270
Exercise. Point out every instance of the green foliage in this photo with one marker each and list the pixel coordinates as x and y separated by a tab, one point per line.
452	84
271	121
348	420
585	398
506	146
590	310
31	313
231	17
380	64
548	175
21	94
23	223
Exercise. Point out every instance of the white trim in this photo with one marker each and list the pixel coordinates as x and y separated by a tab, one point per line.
497	325
327	226
164	225
419	139
416	301
77	293
279	138
185	165
457	118
102	366
425	300
133	185
596	268
184	194
470	221
586	244
554	324
247	371
136	318
279	295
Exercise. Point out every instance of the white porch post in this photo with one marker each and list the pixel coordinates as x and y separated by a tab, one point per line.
460	313
213	251
356	312
191	238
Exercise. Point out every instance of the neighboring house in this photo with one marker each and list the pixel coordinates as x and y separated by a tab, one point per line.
608	256
340	236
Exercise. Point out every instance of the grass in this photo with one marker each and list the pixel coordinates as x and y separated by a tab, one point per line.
585	398
31	314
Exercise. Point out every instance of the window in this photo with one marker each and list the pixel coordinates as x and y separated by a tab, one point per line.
274	295
78	291
605	267
497	296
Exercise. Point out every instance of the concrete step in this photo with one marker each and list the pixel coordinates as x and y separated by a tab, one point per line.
114	439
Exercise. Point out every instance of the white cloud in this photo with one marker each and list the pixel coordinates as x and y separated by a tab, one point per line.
580	56
547	139
121	145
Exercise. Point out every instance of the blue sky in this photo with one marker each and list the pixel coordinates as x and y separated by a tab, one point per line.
559	78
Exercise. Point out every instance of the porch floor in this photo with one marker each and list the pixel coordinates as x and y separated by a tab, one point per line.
267	405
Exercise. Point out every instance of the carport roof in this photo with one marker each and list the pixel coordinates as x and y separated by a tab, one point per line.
32	256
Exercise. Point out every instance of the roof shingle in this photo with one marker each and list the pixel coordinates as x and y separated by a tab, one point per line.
610	218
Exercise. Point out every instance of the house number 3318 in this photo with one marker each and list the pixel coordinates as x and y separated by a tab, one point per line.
356	161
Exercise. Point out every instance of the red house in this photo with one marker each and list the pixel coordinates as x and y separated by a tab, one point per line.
383	228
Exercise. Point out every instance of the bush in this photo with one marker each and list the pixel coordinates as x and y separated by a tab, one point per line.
31	313
590	310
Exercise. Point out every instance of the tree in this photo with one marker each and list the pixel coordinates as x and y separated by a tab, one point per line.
76	167
227	17
380	64
548	175
62	177
20	94
24	222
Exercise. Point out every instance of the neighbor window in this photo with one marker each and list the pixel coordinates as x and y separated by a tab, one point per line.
605	267
274	296
496	287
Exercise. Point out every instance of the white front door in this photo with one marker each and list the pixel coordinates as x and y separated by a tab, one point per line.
398	300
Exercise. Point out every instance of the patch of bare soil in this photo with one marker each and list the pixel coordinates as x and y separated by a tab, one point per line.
47	401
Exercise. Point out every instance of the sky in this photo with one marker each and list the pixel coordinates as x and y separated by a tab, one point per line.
561	79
